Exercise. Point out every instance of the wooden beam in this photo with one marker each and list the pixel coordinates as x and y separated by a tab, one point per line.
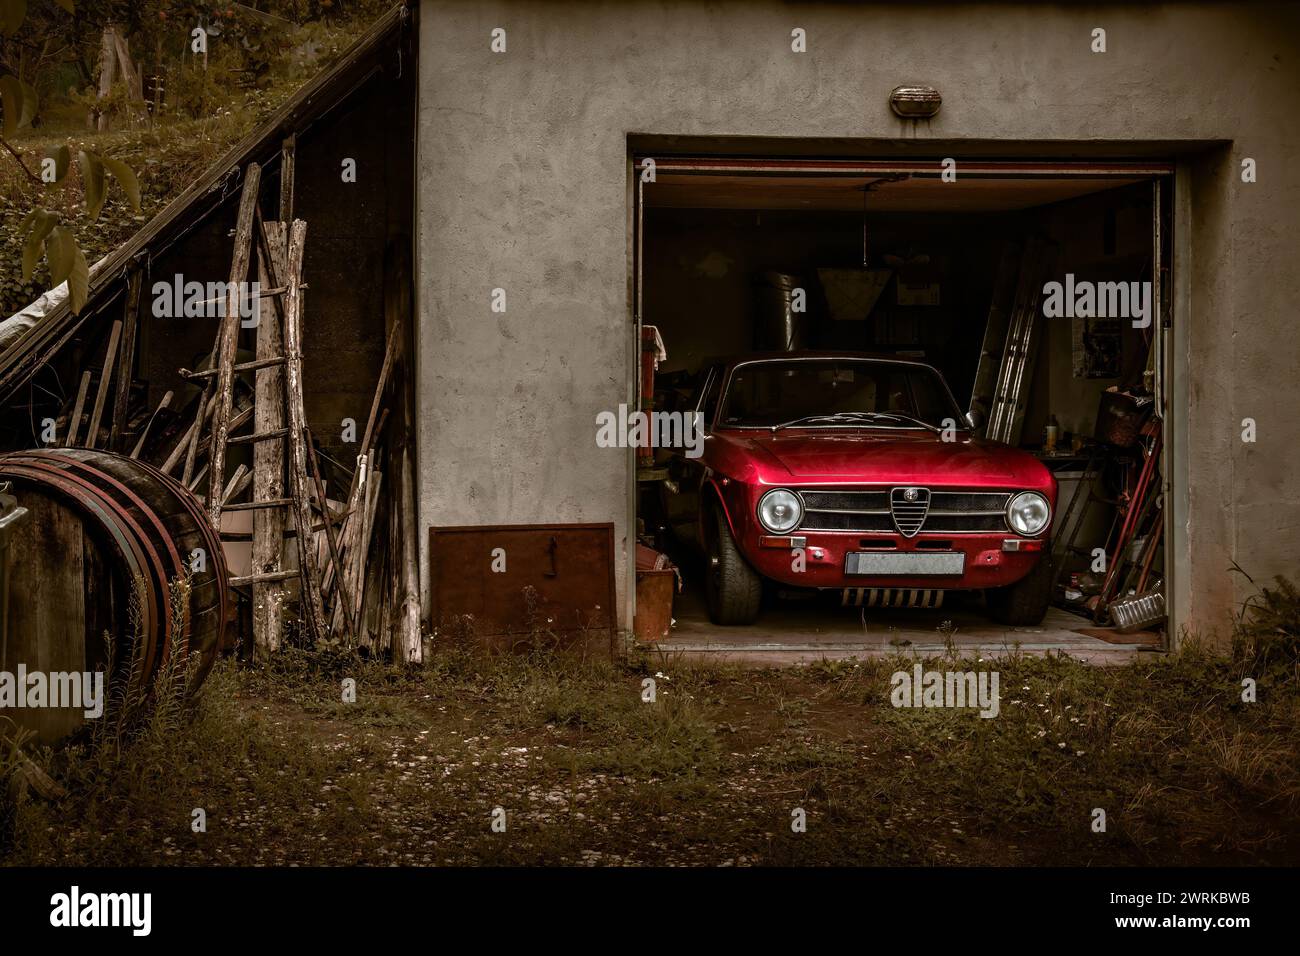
268	459
311	610
190	439
224	395
271	503
258	437
412	649
256	579
363	552
330	537
74	421
139	445
288	154
125	363
408	646
354	508
236	483
207	405
252	366
357	491
105	377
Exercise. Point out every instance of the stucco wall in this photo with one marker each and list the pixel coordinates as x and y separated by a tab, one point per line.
524	185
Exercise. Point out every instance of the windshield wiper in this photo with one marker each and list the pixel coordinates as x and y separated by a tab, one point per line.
852	416
908	418
836	416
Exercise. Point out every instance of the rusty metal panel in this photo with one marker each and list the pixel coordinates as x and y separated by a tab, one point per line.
507	583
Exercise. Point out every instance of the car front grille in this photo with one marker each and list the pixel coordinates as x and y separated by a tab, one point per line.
948	512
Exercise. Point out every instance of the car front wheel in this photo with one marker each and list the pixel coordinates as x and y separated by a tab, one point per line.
734	591
1023	604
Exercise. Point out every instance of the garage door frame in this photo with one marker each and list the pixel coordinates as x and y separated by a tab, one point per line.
1171	206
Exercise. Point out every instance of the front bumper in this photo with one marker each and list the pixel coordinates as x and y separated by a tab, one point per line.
824	553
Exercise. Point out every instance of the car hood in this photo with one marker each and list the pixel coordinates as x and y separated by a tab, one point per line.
850	456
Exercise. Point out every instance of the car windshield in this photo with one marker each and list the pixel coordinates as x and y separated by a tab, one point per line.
836	392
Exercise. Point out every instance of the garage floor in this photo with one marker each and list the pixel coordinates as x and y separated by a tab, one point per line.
798	631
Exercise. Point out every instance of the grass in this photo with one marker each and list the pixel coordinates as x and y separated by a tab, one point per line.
590	773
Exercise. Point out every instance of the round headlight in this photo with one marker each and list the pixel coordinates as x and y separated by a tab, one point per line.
1028	513
780	510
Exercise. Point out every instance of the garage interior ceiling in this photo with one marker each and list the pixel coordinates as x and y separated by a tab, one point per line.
844	193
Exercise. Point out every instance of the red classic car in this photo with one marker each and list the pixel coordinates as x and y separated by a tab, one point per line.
860	474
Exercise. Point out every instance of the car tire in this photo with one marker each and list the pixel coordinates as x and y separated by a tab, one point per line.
733	589
1023	604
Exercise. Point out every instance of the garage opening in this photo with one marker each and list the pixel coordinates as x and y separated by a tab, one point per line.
825	292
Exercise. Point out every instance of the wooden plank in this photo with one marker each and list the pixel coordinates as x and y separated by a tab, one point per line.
47	612
356	492
363	553
372	574
311	610
288	155
268	458
125	363
190	441
390	355
407	640
252	366
74	421
234	486
390	622
411	645
101	394
224	395
331	538
356	498
144	434
259	505
256	579
353	555
257	438
240	486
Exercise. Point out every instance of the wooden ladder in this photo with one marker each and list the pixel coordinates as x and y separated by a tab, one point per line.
279	428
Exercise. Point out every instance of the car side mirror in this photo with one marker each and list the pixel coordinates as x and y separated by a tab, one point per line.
974	419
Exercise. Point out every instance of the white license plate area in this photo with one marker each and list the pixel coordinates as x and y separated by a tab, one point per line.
905	563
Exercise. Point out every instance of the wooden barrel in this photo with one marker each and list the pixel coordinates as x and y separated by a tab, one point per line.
96	523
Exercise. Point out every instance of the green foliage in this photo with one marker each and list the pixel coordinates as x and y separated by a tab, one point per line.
103	183
19	100
1267	632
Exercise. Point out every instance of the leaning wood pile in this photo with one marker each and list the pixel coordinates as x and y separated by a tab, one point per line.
347	561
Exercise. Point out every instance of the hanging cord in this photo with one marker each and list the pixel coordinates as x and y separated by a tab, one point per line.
865	189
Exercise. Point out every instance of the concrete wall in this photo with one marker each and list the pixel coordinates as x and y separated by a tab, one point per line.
524	184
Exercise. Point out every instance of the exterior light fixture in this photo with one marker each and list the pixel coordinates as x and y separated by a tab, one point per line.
915	102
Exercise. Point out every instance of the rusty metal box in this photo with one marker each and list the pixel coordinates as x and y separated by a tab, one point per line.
523	585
